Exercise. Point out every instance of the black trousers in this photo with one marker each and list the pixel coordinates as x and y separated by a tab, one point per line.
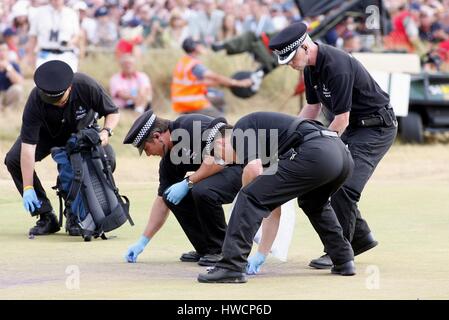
43	149
319	168
367	146
200	213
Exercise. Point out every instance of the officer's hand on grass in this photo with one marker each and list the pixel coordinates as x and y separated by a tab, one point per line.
255	262
136	249
177	192
30	200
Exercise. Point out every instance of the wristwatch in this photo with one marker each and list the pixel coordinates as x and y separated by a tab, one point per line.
109	130
189	183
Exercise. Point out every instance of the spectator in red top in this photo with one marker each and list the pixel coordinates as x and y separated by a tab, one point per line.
131	89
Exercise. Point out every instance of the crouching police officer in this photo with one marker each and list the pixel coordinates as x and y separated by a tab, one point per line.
313	163
195	200
358	110
54	110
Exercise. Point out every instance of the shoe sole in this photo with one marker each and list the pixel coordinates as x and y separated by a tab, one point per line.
207	263
189	260
320	266
366	248
343	273
43	234
227	280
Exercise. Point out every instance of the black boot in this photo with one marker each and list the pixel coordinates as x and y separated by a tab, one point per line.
209	260
47	224
72	226
217	46
345	269
222	275
323	262
191	256
366	243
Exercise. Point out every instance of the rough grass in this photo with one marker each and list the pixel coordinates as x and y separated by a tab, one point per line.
406	204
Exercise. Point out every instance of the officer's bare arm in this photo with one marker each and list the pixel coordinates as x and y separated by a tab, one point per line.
207	169
310	111
270	228
27	160
270	225
158	216
340	123
111	120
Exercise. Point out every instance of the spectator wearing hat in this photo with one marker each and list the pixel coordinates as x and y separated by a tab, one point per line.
131	38
21	25
130	89
190	90
106	31
10	79
54	110
11	39
87	25
54	33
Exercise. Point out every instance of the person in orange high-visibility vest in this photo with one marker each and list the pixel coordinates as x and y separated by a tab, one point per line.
190	92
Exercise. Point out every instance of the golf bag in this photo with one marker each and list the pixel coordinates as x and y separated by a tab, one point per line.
86	186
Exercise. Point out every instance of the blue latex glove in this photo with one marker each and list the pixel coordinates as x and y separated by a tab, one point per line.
255	262
30	200
136	249
177	192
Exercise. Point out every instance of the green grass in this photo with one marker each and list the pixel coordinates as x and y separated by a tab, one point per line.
406	210
406	204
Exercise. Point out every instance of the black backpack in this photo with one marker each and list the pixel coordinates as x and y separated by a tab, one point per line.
86	186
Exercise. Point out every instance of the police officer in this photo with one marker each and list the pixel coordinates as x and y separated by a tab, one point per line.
358	110
195	200
54	110
312	164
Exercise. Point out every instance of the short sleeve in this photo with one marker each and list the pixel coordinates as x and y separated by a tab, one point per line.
341	87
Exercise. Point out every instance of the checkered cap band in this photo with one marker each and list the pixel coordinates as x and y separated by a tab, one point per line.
144	131
212	134
292	46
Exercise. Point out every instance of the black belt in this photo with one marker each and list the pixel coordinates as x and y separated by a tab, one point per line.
57	51
384	117
320	133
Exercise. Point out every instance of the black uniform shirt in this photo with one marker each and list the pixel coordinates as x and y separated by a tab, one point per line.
342	84
45	121
186	150
265	147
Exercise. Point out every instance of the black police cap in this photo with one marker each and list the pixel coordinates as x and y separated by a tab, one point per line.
52	79
140	130
286	42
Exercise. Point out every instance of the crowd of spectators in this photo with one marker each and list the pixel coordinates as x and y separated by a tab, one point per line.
136	26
